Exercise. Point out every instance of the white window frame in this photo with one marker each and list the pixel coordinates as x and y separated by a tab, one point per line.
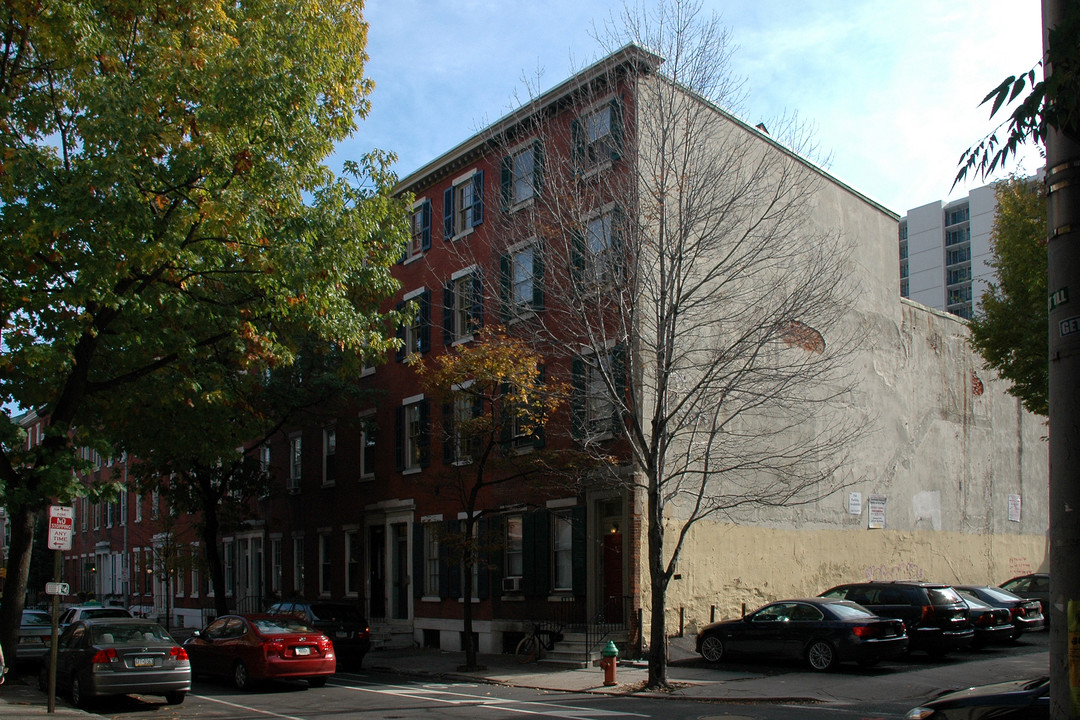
463	190
412	430
599	405
599	142
296	449
326	570
354	562
463	282
298	563
369	437
514	546
414	329
329	456
416	229
522	178
562	556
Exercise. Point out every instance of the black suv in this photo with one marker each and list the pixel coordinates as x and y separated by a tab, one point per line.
935	615
344	624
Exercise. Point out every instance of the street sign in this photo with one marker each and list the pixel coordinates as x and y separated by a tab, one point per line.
61	523
57	588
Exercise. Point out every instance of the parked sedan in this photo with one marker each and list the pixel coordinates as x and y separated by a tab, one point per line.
821	631
244	648
341	622
992	625
118	656
1026	614
35	635
1035	586
1015	700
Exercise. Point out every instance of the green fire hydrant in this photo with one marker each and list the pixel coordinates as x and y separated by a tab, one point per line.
609	658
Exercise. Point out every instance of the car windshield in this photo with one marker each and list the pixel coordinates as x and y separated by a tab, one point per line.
129	634
975	602
850	611
281	626
943	596
337	613
34	618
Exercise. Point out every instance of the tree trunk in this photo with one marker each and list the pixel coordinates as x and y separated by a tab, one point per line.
21	520
210	525
658	676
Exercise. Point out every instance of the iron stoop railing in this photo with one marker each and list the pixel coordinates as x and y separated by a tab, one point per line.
571	615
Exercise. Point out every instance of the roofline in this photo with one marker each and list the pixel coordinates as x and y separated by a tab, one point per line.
630	55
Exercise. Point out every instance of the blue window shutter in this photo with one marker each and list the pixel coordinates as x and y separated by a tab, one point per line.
618	377
538	276
483	559
577	398
478	198
453	559
506	182
448	313
399	438
504	287
618	136
536	552
444	559
578	550
399	354
476	311
418	560
425	321
577	143
448	433
538	166
538	433
425	218
448	213
424	441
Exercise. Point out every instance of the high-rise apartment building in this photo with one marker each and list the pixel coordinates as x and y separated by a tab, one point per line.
945	252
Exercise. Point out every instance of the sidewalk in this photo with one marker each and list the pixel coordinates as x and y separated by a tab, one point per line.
690	676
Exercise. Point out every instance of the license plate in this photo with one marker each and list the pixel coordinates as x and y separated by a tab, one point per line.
302	650
144	662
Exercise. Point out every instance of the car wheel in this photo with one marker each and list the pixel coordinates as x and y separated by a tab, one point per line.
712	649
240	677
316	682
821	656
175	698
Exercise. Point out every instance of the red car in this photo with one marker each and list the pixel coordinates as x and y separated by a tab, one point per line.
257	647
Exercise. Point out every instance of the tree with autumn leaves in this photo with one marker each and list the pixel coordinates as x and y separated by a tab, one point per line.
496	403
166	214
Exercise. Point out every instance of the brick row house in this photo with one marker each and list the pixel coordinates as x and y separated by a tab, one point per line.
362	509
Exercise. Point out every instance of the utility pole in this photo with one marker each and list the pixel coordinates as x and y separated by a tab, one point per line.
1063	278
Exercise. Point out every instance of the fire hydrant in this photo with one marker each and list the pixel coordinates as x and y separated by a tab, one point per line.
609	658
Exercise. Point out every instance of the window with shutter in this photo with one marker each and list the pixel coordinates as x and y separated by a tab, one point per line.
463	205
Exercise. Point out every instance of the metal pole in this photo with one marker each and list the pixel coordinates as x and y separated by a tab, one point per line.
58	559
1063	283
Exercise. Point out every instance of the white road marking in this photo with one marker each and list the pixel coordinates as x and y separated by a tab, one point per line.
434	693
246	707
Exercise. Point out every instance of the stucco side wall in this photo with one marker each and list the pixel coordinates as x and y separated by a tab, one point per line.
727	565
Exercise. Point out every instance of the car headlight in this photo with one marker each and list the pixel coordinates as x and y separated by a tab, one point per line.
919	713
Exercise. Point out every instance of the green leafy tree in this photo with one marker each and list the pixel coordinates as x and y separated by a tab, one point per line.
165	209
1052	102
1009	330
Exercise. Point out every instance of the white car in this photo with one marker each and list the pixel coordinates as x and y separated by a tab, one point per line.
84	612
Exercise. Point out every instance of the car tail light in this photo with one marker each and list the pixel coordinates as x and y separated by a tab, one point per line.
274	647
927	613
178	653
984	620
325	644
866	631
105	657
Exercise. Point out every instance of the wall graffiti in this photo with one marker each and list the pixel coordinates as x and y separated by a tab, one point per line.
1019	566
900	571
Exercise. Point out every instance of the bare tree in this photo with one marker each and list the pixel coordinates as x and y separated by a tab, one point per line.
691	278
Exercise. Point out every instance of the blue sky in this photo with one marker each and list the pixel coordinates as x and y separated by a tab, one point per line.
892	88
